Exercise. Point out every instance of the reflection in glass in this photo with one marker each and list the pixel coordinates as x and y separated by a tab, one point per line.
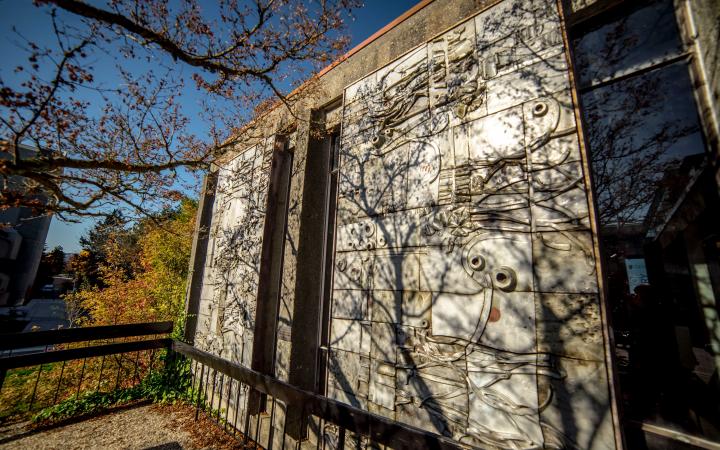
657	204
625	44
641	133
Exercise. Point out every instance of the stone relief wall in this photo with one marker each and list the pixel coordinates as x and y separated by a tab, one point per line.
226	321
465	295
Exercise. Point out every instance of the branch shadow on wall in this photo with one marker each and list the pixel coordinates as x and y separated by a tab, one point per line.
465	294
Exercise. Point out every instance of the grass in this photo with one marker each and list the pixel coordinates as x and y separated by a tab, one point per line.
66	389
86	380
166	385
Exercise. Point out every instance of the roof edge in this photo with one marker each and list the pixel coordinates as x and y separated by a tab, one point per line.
395	22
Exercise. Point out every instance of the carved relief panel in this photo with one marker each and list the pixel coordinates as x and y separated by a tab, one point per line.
226	321
465	295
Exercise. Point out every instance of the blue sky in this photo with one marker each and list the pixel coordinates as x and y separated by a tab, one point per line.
34	24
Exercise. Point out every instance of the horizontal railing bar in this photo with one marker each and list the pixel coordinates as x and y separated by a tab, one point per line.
380	429
256	380
10	341
34	359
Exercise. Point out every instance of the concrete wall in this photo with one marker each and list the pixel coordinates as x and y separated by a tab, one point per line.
226	318
704	31
465	292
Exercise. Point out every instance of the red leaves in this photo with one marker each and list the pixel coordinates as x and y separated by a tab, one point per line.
122	145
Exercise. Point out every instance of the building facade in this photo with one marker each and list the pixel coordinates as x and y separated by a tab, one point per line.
494	221
22	240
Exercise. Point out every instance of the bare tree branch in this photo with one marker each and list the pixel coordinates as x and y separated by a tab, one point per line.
97	146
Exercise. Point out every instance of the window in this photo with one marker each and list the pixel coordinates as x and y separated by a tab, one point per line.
657	203
330	210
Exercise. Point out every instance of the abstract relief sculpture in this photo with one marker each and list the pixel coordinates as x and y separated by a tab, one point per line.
226	323
465	293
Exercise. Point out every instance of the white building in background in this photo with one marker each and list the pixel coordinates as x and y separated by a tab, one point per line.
22	238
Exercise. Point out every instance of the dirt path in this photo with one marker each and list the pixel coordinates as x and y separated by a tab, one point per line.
149	427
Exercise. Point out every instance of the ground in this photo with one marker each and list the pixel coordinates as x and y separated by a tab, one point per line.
147	427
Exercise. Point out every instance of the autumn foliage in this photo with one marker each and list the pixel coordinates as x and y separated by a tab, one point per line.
152	288
127	96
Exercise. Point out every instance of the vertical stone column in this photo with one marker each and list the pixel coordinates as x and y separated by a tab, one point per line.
307	311
198	255
271	265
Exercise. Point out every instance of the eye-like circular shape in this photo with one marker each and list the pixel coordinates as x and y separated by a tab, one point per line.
477	262
355	273
505	279
540	109
424	323
378	140
369	229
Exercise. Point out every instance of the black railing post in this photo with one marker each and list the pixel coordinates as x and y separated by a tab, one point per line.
37	380
82	374
171	368
237	407
220	395
212	395
341	439
57	391
227	404
102	366
200	389
117	378
137	360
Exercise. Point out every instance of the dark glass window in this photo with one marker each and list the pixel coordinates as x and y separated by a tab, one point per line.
641	132
628	41
658	212
333	141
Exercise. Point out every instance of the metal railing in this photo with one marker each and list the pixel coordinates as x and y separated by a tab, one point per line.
43	368
224	389
249	405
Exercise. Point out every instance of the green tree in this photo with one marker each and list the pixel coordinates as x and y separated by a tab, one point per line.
110	235
55	260
51	263
97	237
155	289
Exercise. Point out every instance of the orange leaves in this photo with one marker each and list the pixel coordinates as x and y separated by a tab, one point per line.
121	144
154	288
